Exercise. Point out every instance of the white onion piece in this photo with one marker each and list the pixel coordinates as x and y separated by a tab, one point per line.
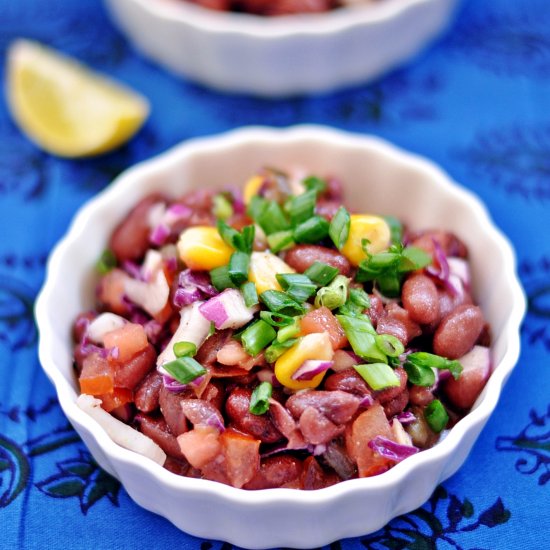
156	214
460	269
121	433
399	433
152	296
227	310
193	328
102	324
152	264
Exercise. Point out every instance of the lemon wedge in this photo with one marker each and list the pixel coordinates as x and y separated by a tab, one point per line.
66	108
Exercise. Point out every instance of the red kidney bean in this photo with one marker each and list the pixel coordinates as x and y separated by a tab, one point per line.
334	190
376	309
178	467
449	242
218	5
316	428
338	459
420	395
458	331
214	393
397	322
170	406
130	240
276	471
420	298
208	352
397	404
348	380
146	396
303	256
259	426
157	429
132	372
385	396
337	406
327	208
314	477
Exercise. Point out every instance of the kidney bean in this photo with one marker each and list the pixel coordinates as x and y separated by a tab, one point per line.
170	407
376	309
327	208
208	352
130	240
449	242
316	428
338	459
348	380
178	467
276	471
337	406
132	372
334	190
397	322
219	5
304	255
420	298
385	396
147	393
201	412
214	393
259	426
314	477
397	404
157	429
288	7
458	331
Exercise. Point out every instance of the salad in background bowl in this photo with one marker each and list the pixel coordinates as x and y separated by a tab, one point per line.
376	178
283	55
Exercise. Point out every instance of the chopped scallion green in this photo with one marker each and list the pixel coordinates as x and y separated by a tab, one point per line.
390	345
297	285
311	231
184	369
222	207
272	219
316	184
238	267
396	229
334	295
185	349
256	207
257	336
220	278
281	302
107	262
280	240
275	350
320	273
436	416
378	376
339	227
248	290
259	400
427	360
302	207
276	319
362	337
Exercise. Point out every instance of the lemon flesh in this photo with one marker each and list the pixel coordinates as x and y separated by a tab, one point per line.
64	107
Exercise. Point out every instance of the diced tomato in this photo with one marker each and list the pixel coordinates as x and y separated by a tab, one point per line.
200	445
364	429
97	376
130	373
115	399
128	339
242	457
322	320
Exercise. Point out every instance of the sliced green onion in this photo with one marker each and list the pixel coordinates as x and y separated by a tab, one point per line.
241	241
256	207
107	262
311	231
413	258
436	416
281	302
316	184
220	278
302	207
359	297
184	369
276	319
185	349
390	345
419	375
227	233
320	273
339	227
238	267
290	331
222	207
396	229
280	240
297	285
333	295
275	350
432	361
257	336
362	337
390	285
272	219
248	290
259	400
378	376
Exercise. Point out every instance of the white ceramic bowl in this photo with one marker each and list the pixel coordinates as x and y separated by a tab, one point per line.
276	56
378	178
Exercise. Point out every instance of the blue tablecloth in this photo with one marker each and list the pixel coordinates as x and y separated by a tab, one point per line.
478	103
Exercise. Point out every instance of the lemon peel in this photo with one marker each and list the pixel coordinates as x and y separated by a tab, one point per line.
66	108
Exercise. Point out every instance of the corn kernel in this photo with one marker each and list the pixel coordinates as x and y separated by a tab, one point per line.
315	346
202	248
364	226
264	267
252	187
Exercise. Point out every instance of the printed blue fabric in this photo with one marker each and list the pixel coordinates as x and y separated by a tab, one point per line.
477	103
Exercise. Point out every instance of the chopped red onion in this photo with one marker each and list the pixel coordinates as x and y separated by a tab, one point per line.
311	368
203	413
185	296
406	417
159	234
227	310
133	269
390	449
366	401
237	201
176	212
114	352
198	279
172	385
